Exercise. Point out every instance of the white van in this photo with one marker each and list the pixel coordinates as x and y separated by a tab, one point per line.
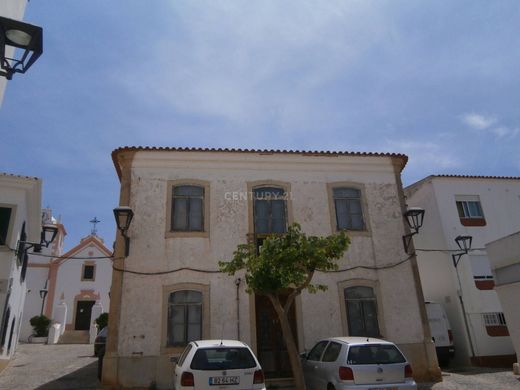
441	332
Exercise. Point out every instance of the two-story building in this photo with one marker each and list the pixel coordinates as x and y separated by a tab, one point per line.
485	208
192	207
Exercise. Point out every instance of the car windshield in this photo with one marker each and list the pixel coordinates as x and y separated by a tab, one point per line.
222	358
374	354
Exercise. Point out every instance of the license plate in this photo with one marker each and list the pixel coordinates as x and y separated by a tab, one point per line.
224	380
383	388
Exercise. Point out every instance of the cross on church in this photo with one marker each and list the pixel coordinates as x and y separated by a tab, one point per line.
94	222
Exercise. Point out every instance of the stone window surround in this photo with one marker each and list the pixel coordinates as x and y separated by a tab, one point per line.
88	263
206	216
252	185
374	284
364	206
11	224
204	289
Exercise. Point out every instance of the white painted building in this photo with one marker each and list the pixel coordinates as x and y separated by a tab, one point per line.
38	276
485	208
12	9
504	255
20	216
78	284
194	206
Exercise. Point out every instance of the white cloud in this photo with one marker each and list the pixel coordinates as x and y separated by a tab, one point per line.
477	121
503	131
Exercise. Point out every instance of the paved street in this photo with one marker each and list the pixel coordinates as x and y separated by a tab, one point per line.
49	367
476	378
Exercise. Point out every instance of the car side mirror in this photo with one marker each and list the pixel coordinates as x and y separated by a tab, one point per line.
303	355
174	359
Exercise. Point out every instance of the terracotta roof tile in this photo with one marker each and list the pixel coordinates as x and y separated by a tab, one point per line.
18	176
115	153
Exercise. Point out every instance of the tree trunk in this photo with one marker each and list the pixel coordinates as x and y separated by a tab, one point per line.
292	349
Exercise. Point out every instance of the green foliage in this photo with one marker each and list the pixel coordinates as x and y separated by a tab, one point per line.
40	325
287	261
102	320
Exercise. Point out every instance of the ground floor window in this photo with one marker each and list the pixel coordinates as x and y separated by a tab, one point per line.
184	317
361	305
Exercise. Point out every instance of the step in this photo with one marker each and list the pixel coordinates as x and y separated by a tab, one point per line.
74	337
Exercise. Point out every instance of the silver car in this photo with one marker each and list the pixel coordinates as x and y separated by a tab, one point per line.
344	363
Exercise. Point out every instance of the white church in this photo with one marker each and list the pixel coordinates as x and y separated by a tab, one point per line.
72	288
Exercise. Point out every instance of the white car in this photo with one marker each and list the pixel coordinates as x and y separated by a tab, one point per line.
218	364
348	363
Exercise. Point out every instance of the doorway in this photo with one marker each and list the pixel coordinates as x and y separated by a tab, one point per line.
83	312
271	348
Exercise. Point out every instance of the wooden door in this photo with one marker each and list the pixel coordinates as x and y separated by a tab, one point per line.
271	348
83	312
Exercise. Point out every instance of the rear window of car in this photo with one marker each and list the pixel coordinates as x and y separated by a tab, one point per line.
374	354
184	354
222	358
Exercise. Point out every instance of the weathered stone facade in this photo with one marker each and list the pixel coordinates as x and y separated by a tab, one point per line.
137	354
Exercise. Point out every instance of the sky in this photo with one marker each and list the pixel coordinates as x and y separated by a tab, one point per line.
436	80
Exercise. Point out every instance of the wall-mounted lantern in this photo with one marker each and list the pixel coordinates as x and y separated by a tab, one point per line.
414	218
123	216
27	41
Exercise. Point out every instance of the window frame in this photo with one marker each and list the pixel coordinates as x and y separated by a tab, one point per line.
366	231
285	186
10	225
204	289
169	233
466	219
375	285
84	266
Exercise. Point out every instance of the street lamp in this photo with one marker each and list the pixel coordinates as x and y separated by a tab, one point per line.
23	36
47	236
414	218
123	216
464	244
43	294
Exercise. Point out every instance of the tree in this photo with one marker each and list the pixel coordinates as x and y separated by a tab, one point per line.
284	267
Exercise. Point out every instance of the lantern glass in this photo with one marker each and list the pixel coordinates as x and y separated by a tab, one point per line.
414	217
464	242
123	216
49	233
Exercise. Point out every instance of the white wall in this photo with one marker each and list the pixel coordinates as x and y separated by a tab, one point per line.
501	207
24	195
69	284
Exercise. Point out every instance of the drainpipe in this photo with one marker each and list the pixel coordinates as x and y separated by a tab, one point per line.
237	283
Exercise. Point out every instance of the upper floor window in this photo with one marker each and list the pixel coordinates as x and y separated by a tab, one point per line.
270	210
361	311
187	208
5	219
184	317
349	212
88	272
470	211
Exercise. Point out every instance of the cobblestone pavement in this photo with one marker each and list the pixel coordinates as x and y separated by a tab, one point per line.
476	378
57	367
50	367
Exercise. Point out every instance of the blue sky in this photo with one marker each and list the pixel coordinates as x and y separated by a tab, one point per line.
436	80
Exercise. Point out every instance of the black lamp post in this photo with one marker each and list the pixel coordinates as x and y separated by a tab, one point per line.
43	294
47	236
464	244
23	36
124	217
414	218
